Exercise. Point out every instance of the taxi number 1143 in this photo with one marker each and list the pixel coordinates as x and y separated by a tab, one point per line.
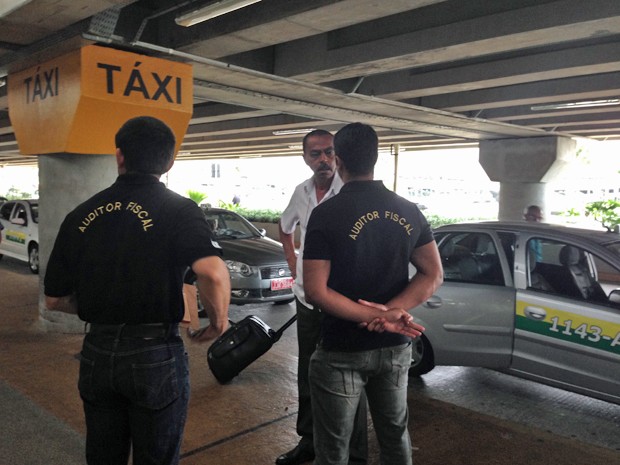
593	334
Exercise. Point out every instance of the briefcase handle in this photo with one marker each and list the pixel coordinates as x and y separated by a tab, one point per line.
278	334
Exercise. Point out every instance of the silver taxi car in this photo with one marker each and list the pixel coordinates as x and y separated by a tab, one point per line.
20	231
535	300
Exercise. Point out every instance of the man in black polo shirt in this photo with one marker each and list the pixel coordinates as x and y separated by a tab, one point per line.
118	261
357	251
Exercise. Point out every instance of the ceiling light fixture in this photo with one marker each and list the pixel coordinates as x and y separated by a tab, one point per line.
211	11
582	104
8	6
290	132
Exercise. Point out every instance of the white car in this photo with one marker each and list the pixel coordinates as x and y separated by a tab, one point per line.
20	233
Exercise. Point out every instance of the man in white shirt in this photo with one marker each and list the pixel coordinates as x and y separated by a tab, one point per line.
318	153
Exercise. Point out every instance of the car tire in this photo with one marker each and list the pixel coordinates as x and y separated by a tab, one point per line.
33	258
422	357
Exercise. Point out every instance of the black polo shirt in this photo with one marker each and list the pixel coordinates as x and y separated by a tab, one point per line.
368	233
123	252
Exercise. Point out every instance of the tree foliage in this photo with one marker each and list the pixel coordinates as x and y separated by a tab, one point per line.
606	212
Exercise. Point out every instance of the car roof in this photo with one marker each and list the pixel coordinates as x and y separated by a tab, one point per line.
30	201
599	237
216	210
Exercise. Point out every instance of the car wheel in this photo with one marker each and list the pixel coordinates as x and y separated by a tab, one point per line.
422	358
283	302
33	258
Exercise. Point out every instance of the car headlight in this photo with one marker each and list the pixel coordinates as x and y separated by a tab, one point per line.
238	268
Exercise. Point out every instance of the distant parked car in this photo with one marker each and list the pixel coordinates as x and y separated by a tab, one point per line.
20	236
257	265
538	301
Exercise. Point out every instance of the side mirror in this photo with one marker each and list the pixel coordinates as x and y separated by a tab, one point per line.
263	232
18	221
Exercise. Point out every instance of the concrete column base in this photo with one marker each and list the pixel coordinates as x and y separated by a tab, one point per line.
514	197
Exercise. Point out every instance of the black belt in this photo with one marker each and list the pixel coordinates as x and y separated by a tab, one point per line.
145	331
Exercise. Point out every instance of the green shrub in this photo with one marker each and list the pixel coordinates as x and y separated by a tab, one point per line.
228	206
196	196
260	216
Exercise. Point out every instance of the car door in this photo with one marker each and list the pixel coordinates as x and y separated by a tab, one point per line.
567	329
469	320
11	234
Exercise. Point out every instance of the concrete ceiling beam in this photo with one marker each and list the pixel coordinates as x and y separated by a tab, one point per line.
535	26
554	91
582	61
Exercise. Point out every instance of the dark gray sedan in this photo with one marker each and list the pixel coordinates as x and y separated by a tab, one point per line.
539	301
257	265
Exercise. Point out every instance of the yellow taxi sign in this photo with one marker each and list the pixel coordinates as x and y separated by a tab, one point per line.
77	102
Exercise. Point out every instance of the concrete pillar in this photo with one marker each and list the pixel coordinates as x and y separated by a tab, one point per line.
65	181
523	167
514	197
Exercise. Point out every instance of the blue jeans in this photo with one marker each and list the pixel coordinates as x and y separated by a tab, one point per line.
338	378
135	393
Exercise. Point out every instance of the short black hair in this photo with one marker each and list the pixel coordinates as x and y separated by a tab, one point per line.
314	133
147	144
357	146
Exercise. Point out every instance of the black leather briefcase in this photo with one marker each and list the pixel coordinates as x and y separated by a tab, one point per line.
240	345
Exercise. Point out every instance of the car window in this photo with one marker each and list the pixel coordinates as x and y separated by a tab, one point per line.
5	210
20	212
508	241
570	271
34	209
471	258
228	225
614	246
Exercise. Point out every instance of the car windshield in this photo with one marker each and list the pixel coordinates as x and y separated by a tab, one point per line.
229	225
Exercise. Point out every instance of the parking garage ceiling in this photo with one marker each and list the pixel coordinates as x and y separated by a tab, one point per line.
424	73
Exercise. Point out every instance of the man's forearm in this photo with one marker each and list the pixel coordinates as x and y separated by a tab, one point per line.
216	298
418	291
213	282
66	304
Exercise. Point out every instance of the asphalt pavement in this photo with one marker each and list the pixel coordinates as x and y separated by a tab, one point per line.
460	416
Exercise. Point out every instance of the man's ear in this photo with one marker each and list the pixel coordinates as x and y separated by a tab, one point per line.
339	166
120	161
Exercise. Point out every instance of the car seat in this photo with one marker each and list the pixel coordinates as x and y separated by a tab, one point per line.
458	262
579	282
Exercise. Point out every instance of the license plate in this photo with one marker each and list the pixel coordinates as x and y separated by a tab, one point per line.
281	283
